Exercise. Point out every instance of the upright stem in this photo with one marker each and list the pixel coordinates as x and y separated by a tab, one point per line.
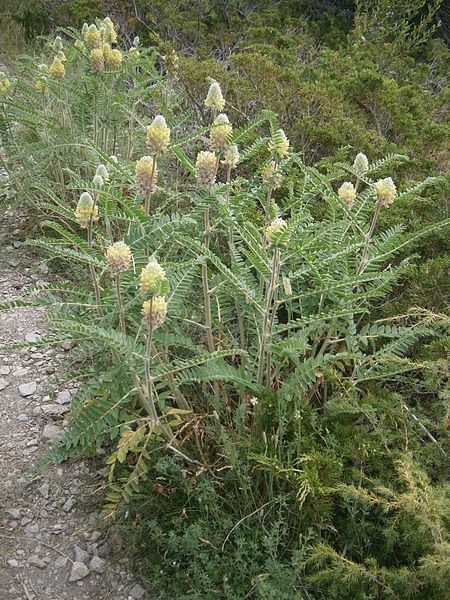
149	193
206	292
267	315
363	261
148	363
120	306
92	269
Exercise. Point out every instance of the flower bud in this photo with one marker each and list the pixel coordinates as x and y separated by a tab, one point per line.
62	57
57	70
205	167
361	164
152	278
5	84
97	60
158	135
79	44
84	28
57	44
154	311
86	210
102	171
41	85
92	37
214	99
146	175
98	181
287	286
118	258
231	157
113	58
109	35
275	231
386	191
269	175
347	193
136	41
220	132
279	144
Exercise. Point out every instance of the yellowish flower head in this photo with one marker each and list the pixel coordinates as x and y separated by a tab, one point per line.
118	258
97	60
215	99
154	311
56	69
42	85
92	37
274	232
231	156
386	191
205	168
86	211
347	193
158	135
113	58
5	84
269	175
220	132
152	278
361	164
146	175
279	144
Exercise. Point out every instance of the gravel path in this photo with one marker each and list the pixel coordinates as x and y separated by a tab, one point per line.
54	541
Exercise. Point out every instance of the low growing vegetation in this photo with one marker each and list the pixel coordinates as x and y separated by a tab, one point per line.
273	427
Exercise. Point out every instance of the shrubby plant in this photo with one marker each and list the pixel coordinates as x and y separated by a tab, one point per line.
264	426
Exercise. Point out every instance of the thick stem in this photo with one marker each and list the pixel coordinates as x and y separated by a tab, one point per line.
206	292
267	316
148	195
120	306
92	269
363	261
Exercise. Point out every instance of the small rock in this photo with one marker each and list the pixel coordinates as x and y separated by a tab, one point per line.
12	563
22	417
67	345
52	433
63	397
50	370
44	490
27	389
79	571
17	244
67	507
54	411
60	562
97	564
137	591
13	513
5	370
37	562
80	554
3	384
32	528
32	337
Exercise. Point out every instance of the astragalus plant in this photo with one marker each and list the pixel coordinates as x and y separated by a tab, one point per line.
233	364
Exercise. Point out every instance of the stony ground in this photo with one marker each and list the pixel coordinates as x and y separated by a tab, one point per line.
54	541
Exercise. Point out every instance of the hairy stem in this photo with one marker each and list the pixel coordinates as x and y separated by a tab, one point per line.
148	195
267	315
120	306
363	261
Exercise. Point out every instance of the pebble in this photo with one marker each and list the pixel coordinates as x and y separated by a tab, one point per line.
32	337
13	513
63	397
137	591
44	490
37	562
22	417
3	383
52	433
97	564
27	389
79	571
68	505
12	563
5	370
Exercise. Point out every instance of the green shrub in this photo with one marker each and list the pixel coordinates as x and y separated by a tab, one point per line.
270	432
